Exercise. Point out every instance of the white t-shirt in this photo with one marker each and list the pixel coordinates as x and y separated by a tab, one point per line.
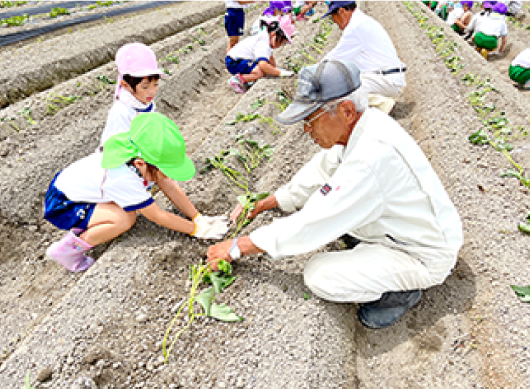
456	13
254	48
493	25
235	4
365	42
476	22
523	59
121	114
86	181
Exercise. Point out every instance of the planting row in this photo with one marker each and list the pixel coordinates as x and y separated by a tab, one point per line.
496	129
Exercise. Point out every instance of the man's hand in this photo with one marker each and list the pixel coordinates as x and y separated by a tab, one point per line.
218	252
239	208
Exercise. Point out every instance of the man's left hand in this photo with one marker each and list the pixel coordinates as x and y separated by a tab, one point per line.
217	252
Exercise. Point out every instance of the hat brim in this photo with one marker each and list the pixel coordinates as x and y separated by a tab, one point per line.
297	111
183	172
150	72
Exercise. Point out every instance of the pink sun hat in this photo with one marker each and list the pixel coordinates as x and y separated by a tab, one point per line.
287	26
137	60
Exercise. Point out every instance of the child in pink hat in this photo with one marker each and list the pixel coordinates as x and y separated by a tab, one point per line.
252	59
136	87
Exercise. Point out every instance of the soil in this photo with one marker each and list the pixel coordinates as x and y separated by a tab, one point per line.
104	328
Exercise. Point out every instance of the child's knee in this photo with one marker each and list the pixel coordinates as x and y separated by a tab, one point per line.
127	221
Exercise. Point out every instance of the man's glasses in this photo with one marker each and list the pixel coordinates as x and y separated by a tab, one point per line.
310	121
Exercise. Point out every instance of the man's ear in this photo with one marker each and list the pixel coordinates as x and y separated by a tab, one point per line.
348	110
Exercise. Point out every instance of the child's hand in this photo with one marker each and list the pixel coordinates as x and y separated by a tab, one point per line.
286	73
210	227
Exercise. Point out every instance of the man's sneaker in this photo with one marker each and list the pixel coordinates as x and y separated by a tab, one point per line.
388	309
349	241
236	85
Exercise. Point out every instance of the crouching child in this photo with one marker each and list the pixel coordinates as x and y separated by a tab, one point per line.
96	198
252	59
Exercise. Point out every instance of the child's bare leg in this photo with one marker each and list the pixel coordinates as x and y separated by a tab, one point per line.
232	41
256	74
107	222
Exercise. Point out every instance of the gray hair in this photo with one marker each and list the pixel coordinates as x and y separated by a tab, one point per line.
358	97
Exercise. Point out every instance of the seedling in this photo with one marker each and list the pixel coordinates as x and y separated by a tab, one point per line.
58	11
523	292
248	201
8	121
103	79
219	162
15	21
525	227
53	99
250	153
205	300
27	381
253	116
26	112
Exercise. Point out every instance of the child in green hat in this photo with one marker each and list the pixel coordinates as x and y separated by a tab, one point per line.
96	198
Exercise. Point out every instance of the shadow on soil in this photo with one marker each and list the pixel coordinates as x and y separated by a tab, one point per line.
402	110
454	296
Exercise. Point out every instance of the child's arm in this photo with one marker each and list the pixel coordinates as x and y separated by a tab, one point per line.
177	196
272	61
167	219
268	68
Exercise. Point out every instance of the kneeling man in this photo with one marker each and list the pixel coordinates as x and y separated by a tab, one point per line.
372	182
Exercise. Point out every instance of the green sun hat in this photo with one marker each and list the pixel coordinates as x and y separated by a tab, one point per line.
154	138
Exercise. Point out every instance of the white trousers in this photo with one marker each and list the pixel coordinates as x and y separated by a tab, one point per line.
381	89
364	273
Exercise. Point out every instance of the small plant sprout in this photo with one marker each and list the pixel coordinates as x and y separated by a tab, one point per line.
219	162
8	121
248	201
242	118
220	280
250	153
26	112
27	381
57	102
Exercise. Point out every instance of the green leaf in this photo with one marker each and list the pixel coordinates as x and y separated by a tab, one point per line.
205	300
225	267
479	137
307	296
221	282
524	228
224	313
258	103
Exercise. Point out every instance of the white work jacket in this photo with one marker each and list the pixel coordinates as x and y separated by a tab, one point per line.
365	42
380	188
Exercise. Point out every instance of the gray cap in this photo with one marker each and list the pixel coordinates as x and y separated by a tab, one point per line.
317	84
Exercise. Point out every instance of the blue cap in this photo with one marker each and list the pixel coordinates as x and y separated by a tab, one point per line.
333	5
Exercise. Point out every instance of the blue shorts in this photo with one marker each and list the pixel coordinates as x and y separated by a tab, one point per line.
62	212
235	21
241	66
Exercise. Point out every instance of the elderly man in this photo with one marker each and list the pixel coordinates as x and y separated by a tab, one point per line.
365	42
370	181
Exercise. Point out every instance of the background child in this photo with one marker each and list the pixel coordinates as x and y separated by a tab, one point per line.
136	87
492	28
252	59
97	197
276	9
520	69
463	21
235	21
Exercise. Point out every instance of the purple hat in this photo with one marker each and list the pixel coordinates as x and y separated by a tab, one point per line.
468	3
500	8
487	5
334	5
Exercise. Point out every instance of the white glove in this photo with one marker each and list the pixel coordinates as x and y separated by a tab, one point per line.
286	73
210	227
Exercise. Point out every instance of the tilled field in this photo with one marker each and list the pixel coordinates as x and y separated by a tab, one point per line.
104	328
